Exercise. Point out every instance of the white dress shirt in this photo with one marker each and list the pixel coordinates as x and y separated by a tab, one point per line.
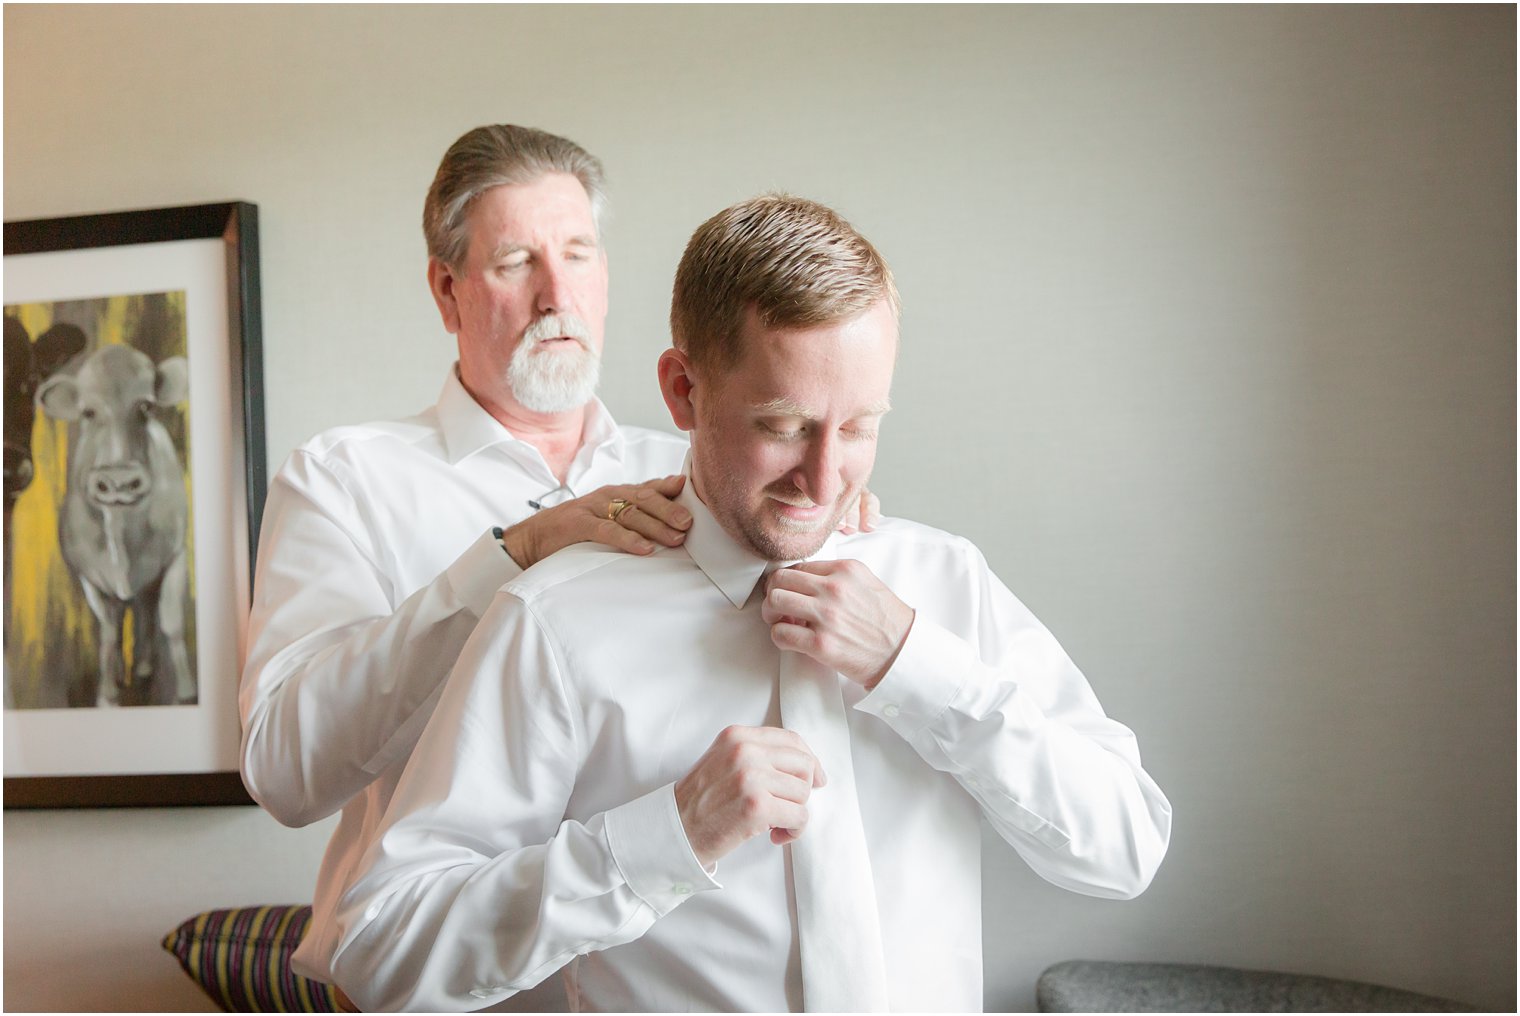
537	825
376	561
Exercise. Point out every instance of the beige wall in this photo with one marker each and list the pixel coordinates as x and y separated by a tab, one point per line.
1209	344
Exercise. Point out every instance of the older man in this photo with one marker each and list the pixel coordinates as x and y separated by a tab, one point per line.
384	543
746	773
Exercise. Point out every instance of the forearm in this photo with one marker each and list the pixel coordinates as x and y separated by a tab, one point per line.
477	884
340	678
329	711
437	925
1060	781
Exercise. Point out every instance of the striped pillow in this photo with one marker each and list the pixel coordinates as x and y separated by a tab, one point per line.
241	958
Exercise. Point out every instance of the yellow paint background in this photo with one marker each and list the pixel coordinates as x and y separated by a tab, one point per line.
52	630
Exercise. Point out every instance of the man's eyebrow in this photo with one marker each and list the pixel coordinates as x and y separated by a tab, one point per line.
786	407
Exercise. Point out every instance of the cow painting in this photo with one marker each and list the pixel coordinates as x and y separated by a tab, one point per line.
27	365
122	524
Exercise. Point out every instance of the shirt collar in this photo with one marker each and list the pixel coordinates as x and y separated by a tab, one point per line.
600	436
730	567
468	428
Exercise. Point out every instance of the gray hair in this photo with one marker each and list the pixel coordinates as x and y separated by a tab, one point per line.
493	156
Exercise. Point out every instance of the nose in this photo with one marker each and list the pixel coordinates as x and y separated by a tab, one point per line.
553	288
120	483
819	475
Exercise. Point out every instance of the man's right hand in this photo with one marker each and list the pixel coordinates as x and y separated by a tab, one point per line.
654	518
751	780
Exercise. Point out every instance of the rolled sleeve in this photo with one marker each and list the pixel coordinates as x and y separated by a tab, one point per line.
649	846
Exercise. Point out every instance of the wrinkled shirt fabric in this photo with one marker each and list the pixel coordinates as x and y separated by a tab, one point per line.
537	827
376	561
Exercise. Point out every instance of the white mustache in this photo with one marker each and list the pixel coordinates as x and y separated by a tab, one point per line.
556	326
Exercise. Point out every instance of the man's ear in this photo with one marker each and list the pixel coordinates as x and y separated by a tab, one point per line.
677	384
441	281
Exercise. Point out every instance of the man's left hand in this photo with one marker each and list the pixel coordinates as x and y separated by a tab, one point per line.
838	613
862	516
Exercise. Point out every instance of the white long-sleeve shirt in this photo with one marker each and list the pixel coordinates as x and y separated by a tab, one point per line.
537	824
376	561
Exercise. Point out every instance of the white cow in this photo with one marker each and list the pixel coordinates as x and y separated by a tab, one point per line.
122	528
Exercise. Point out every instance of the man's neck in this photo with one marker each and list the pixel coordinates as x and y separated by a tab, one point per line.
557	436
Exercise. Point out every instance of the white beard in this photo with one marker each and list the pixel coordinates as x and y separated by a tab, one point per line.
557	381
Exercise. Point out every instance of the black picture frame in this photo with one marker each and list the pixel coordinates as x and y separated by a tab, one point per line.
236	224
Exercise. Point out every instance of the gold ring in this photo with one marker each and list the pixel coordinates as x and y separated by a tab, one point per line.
618	506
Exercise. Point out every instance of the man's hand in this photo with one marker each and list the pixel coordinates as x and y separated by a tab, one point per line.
751	780
653	518
838	613
862	516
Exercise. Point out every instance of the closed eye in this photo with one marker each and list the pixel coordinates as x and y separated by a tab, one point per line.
783	433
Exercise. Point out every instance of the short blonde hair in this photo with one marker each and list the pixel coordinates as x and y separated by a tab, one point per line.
795	261
494	156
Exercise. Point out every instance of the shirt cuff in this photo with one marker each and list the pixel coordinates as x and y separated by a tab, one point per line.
649	846
922	682
480	571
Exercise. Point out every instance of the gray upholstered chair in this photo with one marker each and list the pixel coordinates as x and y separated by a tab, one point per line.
1093	986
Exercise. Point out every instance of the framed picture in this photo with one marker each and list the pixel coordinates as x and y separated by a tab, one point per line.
134	480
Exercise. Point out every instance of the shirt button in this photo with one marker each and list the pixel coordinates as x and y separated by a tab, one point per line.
681	889
891	711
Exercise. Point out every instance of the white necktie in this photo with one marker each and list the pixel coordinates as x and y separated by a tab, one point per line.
843	969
